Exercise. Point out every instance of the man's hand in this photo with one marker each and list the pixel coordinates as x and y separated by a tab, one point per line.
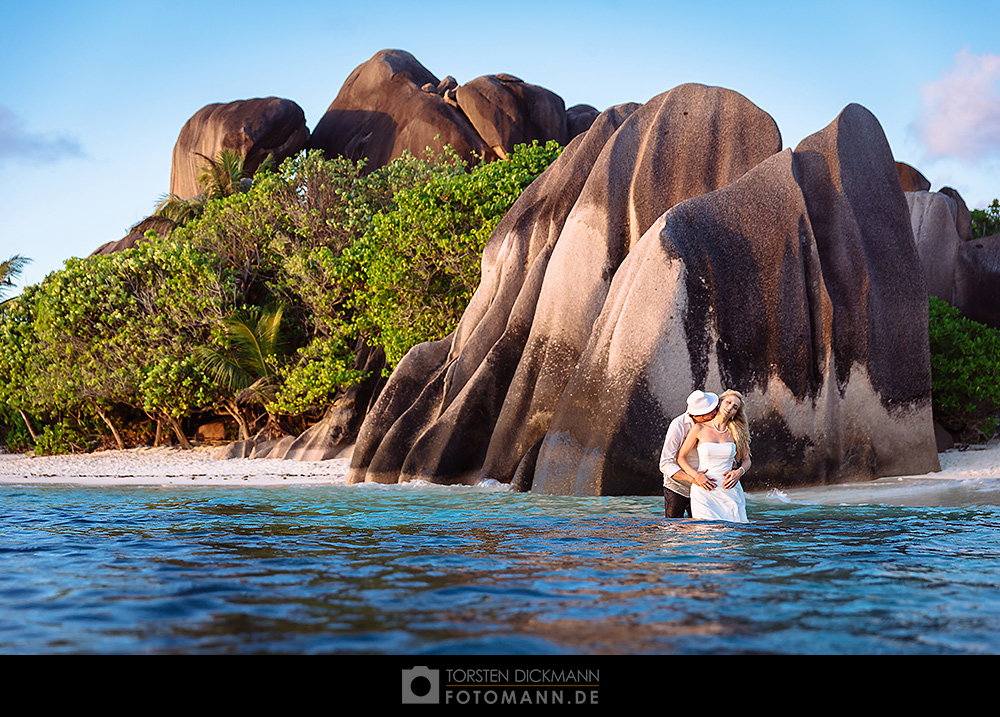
704	481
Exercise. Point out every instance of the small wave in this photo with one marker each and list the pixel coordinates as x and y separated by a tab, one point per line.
779	495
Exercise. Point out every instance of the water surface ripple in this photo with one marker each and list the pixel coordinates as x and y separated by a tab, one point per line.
433	570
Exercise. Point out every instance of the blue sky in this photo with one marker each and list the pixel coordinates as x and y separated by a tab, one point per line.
93	94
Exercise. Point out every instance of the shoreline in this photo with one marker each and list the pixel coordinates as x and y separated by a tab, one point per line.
171	466
166	466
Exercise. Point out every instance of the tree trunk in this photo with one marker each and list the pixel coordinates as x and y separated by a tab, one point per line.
159	433
179	432
114	431
27	422
237	414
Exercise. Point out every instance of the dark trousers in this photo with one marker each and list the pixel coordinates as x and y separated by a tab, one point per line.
675	505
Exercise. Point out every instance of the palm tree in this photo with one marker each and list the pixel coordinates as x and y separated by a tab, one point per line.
245	368
10	269
220	177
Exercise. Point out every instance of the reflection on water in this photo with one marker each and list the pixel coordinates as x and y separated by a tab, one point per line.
424	569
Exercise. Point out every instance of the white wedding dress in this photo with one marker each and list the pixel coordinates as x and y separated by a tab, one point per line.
719	503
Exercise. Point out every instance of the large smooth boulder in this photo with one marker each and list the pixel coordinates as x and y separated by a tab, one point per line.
507	111
932	219
977	280
782	284
963	217
911	179
255	128
872	273
579	118
681	144
382	111
672	247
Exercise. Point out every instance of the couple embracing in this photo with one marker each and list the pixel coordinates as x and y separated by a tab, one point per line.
705	453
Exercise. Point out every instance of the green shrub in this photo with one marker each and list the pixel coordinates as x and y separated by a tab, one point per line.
965	369
986	222
416	268
14	436
389	257
61	437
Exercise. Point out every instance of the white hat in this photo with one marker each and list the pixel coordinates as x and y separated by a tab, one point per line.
700	403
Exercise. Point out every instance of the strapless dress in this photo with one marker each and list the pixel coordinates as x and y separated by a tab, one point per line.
719	503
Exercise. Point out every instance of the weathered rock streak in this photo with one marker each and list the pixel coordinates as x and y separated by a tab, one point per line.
673	246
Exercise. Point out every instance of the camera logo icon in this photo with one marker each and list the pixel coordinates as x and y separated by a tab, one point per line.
421	686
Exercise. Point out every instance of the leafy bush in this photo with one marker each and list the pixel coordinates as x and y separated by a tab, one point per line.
348	257
416	268
61	437
986	222
14	434
965	368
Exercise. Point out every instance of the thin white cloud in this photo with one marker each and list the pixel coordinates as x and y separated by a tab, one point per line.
16	143
960	115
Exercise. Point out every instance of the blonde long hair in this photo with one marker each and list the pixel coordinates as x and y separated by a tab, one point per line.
739	426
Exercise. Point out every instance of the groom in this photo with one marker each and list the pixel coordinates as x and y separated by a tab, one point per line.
701	407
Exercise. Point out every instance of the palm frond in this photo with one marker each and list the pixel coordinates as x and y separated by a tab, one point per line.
261	391
220	176
226	372
246	344
244	365
12	268
179	210
269	330
231	163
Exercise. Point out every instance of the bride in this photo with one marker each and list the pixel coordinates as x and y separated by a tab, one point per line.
716	493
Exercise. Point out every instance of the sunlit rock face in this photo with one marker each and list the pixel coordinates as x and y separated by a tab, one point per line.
506	112
382	111
161	225
392	104
255	128
911	178
674	246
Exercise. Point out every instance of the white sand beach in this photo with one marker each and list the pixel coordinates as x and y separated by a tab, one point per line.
174	466
166	466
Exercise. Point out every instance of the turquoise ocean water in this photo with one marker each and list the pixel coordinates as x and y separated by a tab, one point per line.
896	567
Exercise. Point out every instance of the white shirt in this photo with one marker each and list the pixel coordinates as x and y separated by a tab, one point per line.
676	433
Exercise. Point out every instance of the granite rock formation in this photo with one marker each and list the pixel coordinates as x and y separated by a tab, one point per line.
383	110
963	217
672	246
958	269
255	128
507	111
393	104
579	118
161	225
932	217
911	179
977	280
